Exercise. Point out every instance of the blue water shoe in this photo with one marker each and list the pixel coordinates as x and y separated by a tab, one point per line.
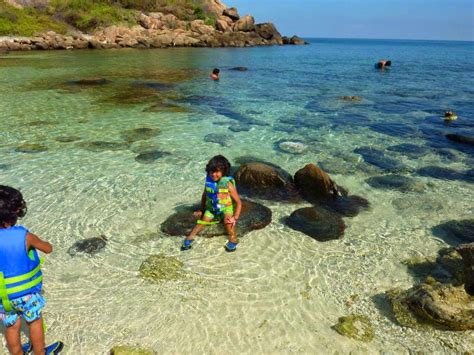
187	244
230	247
54	349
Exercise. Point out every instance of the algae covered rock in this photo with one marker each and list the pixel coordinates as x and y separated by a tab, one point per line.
89	246
253	216
160	267
31	148
130	350
355	326
138	134
435	304
318	223
462	230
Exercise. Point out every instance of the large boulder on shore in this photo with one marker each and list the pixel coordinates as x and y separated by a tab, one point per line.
314	183
467	253
267	31
257	179
232	13
245	24
253	216
435	304
318	223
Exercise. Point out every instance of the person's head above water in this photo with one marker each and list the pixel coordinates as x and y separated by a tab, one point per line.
215	74
12	206
216	71
219	163
383	63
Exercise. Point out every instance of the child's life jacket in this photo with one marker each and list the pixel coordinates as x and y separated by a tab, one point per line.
20	271
218	194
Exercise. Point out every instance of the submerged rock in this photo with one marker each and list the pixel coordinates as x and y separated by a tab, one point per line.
441	173
396	182
130	350
158	268
462	230
317	223
351	98
253	216
460	139
291	147
101	146
89	246
378	158
67	139
148	157
355	326
31	148
410	150
347	206
89	82
240	127
240	68
435	304
221	139
138	134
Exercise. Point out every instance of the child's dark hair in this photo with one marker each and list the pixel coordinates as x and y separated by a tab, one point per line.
218	163
215	71
12	205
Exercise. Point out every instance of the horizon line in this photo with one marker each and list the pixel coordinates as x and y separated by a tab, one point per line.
389	39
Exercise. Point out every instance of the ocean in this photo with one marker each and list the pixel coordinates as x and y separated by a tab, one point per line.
71	149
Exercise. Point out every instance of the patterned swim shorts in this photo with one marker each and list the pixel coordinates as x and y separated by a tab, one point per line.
29	307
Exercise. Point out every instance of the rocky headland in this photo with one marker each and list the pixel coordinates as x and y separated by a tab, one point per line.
207	23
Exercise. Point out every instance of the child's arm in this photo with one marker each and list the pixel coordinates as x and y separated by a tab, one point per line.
33	241
236	199
203	206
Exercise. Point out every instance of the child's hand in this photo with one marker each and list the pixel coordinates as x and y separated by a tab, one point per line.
197	214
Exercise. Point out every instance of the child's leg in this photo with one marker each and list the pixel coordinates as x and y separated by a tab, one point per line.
207	217
12	336
230	229
37	336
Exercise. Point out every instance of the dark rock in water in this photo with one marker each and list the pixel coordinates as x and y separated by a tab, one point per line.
438	172
434	304
101	146
240	68
394	129
448	154
314	183
233	115
221	139
291	147
89	82
460	139
67	139
5	166
396	182
138	134
467	253
89	246
462	230
346	206
242	127
318	223
150	156
378	158
266	182
251	159
352	98
253	216
410	150
153	85
31	148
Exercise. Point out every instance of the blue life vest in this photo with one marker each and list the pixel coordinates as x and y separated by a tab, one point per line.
218	194
20	272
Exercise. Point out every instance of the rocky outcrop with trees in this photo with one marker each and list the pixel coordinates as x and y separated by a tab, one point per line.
130	23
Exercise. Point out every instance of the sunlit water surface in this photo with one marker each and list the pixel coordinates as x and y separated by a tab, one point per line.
281	291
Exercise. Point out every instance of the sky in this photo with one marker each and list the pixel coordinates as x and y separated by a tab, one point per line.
396	19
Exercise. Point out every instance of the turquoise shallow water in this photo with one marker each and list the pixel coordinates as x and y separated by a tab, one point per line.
282	291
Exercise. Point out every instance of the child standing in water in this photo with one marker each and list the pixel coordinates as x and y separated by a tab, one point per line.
219	202
21	277
215	74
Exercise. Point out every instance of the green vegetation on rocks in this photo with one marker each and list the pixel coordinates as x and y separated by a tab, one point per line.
159	268
355	326
91	15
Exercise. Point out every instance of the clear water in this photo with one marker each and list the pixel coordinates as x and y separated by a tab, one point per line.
282	291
